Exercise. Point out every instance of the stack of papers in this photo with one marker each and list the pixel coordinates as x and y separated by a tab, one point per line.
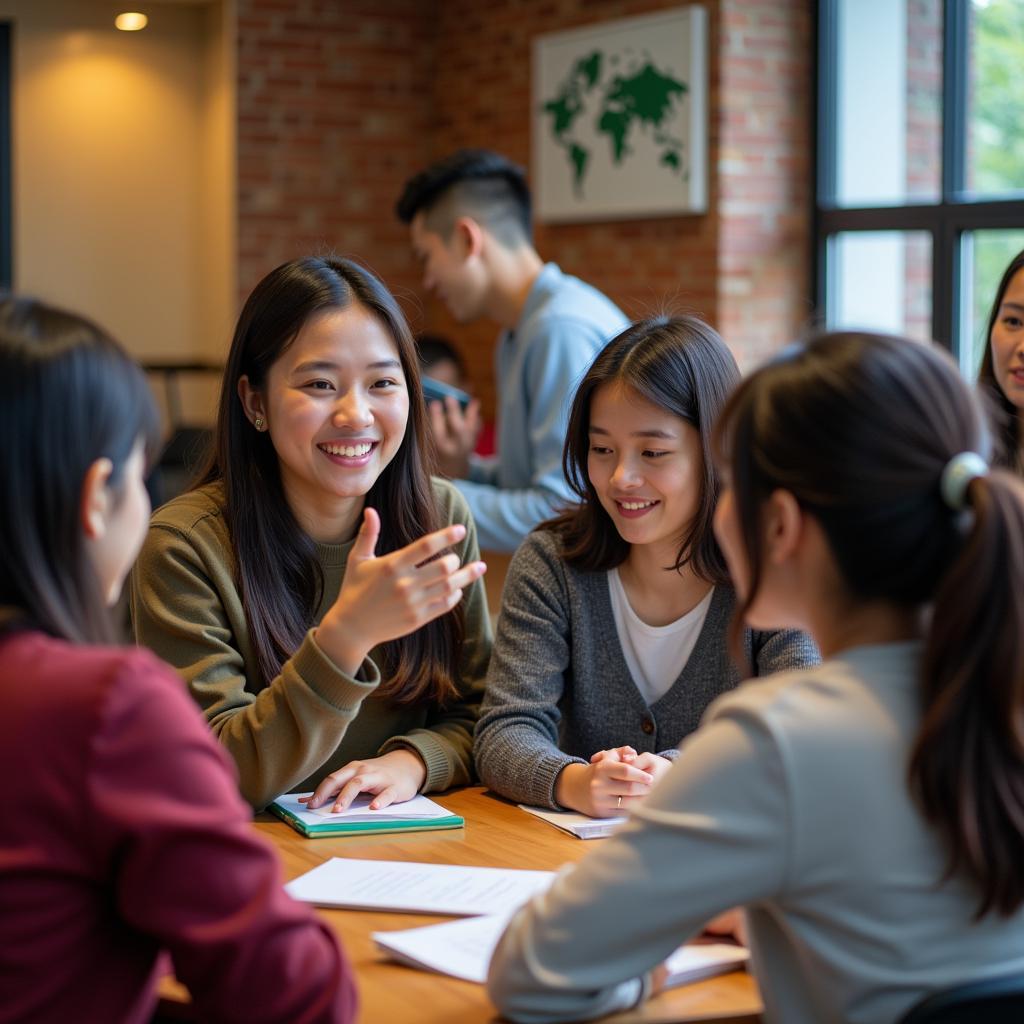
580	825
413	888
485	897
416	815
463	949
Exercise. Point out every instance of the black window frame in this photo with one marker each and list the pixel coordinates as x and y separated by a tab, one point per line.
957	212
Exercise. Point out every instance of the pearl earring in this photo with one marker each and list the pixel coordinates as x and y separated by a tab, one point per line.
258	423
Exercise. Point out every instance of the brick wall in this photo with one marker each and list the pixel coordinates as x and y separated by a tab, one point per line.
482	97
334	113
337	109
765	187
924	154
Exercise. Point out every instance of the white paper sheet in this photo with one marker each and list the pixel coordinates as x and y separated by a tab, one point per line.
580	825
460	948
463	949
698	960
359	810
417	888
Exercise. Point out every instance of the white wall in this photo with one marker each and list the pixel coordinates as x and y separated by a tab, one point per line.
123	170
218	178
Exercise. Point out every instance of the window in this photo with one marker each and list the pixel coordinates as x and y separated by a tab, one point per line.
881	280
920	180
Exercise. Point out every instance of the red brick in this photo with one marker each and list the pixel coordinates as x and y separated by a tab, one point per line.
339	104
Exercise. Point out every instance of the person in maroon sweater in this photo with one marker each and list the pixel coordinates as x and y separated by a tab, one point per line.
121	830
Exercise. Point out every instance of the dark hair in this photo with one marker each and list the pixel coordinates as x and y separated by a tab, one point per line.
277	572
682	366
471	182
859	429
1006	415
69	395
433	349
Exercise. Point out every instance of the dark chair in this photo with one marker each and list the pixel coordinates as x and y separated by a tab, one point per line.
992	1001
187	446
180	459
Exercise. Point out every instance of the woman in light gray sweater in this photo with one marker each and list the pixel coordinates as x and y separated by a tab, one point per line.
614	629
868	812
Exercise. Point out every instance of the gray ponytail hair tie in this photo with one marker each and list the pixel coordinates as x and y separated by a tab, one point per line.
956	477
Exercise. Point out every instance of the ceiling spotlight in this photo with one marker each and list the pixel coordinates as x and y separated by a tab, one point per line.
131	21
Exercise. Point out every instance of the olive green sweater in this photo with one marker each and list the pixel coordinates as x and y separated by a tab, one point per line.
312	718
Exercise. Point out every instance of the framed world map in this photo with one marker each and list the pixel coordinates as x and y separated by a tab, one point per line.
620	118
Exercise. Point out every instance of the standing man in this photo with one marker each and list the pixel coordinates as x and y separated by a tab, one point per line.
470	222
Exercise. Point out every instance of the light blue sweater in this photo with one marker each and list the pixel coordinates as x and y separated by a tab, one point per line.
564	324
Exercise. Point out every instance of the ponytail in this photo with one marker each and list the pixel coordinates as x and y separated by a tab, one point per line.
967	762
881	440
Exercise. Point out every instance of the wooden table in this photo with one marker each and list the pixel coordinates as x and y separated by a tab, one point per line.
497	834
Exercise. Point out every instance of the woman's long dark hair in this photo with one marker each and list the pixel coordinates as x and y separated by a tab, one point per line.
681	365
1006	415
275	561
69	395
859	428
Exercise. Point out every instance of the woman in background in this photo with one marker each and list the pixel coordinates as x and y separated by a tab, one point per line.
868	812
1002	367
320	594
122	832
612	638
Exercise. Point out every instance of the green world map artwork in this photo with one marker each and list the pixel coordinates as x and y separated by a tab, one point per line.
637	100
620	117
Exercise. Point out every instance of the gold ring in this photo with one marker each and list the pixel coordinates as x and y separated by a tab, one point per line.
618	803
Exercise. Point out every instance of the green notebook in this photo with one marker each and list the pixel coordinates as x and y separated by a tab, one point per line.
416	815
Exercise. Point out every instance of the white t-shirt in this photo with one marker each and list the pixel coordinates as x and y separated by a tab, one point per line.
655	655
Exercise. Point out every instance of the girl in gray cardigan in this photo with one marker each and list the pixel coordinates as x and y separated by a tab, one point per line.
614	630
868	812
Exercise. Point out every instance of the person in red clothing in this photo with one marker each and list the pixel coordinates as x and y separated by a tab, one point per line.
121	830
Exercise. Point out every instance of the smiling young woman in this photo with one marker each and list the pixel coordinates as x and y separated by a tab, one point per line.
320	594
868	812
613	635
1002	368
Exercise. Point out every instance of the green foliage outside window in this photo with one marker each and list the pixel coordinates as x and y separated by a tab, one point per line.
995	161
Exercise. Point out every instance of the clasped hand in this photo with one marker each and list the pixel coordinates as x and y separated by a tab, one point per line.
612	782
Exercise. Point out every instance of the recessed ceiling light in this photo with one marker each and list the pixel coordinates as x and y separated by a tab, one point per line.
131	21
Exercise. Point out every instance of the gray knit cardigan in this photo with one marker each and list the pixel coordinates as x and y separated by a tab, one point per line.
559	689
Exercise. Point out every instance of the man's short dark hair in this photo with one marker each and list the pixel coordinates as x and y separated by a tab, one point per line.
434	349
475	183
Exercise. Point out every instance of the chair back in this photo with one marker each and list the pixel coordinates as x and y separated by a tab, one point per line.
992	1001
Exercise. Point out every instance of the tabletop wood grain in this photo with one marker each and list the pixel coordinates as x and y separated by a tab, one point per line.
497	834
